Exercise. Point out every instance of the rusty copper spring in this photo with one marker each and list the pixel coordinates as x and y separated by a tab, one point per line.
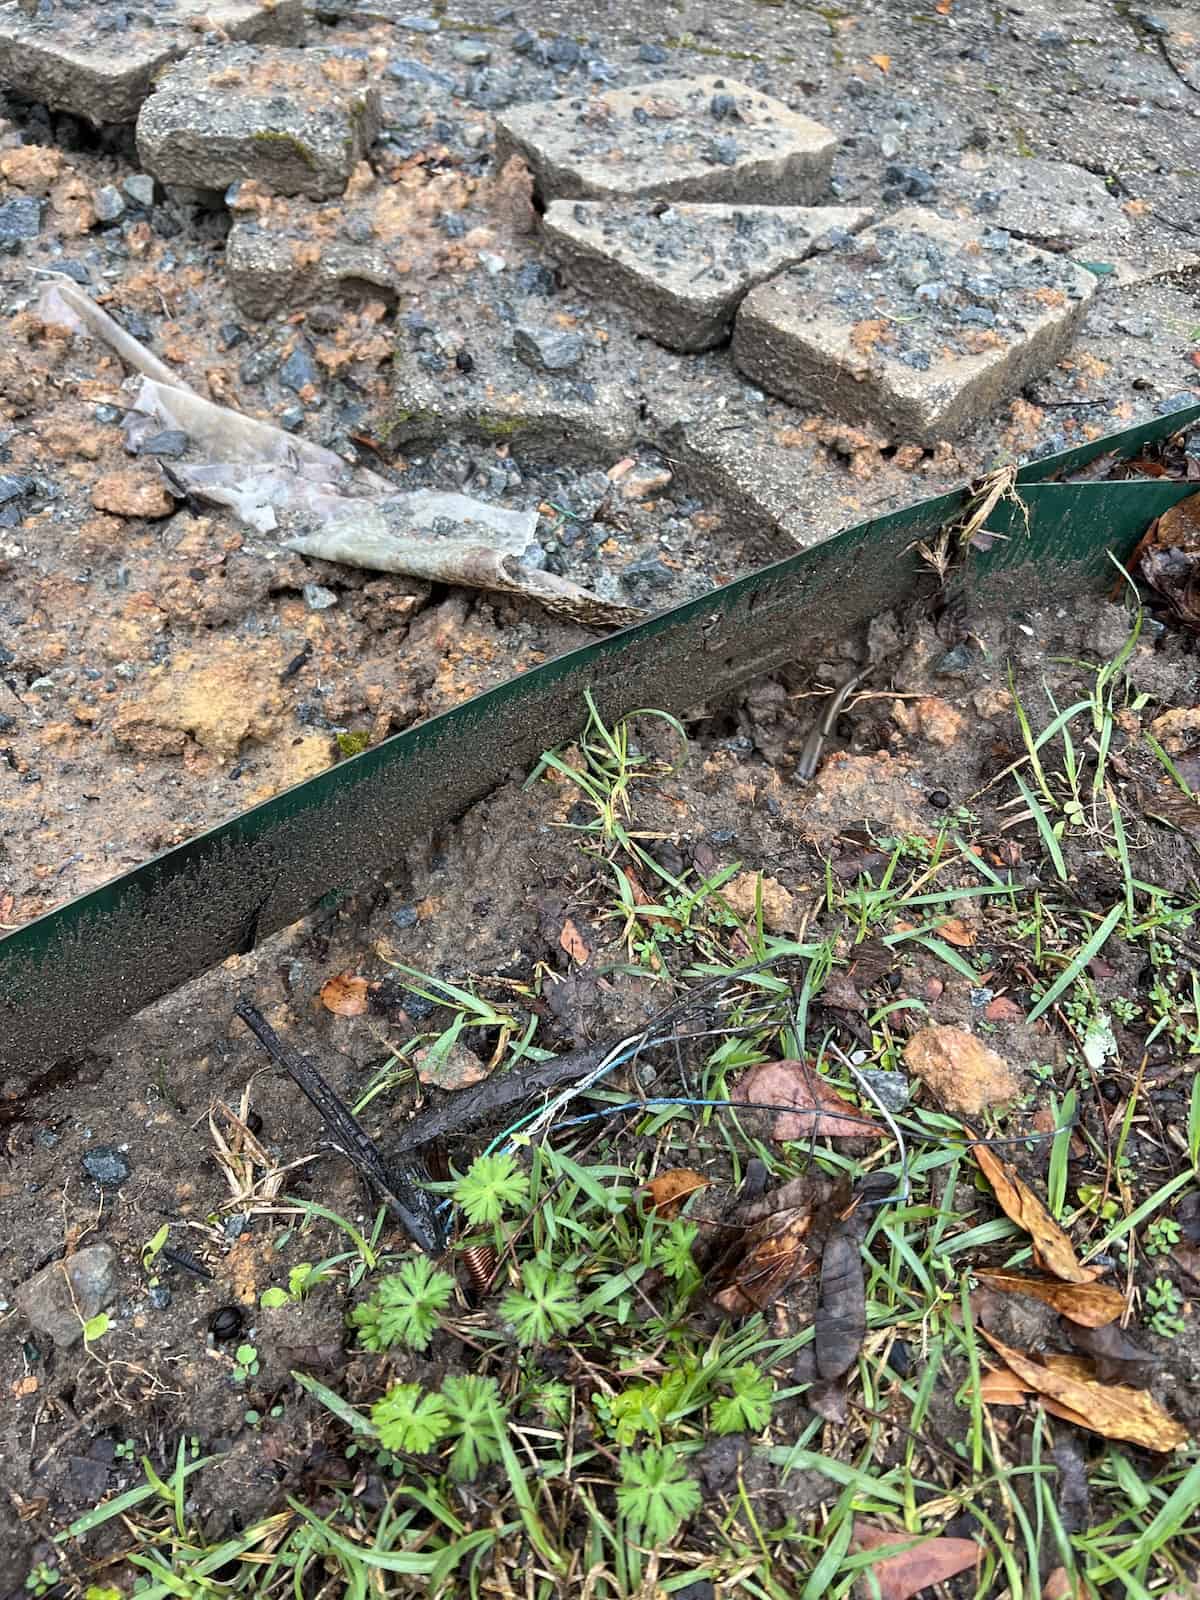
480	1262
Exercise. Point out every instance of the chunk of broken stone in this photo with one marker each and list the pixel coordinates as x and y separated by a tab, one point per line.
268	270
849	336
131	492
76	60
62	1297
675	140
682	270
21	218
297	121
580	412
548	349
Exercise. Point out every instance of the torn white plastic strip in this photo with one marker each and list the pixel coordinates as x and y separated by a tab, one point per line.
262	473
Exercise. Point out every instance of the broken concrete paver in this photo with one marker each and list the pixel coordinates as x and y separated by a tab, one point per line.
268	272
465	373
703	139
922	327
682	270
84	61
297	121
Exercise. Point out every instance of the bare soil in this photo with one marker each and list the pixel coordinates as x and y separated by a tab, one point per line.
487	904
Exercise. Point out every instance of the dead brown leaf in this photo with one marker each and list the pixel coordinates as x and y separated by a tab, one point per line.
666	1193
1092	1305
840	1322
765	1261
908	1573
809	1106
1051	1247
1059	1585
345	995
573	942
1000	1386
1112	1410
455	1068
965	1075
883	62
955	931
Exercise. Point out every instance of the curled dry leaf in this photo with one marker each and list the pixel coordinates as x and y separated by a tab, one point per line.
345	995
910	1571
1090	1304
1113	1410
1117	1359
766	1259
809	1106
1051	1247
965	1075
573	942
666	1193
840	1323
454	1068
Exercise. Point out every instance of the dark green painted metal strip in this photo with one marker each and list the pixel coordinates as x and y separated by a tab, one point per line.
71	975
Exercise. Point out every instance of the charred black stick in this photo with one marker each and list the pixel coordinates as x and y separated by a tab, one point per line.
399	1189
469	1107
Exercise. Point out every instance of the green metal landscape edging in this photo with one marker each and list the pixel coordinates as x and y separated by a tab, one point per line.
71	975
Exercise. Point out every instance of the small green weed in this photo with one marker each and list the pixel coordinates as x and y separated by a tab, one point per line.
405	1307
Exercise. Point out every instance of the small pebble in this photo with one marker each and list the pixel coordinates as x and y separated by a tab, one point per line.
548	350
159	1297
299	370
405	917
139	186
419	24
170	442
21	219
470	52
938	799
107	1166
318	598
108	203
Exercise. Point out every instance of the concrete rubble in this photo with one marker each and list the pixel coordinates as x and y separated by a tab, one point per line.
920	326
295	121
100	62
703	139
681	271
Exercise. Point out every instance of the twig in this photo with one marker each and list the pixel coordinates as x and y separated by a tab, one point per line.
400	1189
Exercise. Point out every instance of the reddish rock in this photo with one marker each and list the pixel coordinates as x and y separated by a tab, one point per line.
132	492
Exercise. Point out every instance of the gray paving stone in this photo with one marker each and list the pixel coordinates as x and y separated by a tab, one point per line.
1041	202
587	412
702	139
270	270
681	270
296	121
77	61
926	330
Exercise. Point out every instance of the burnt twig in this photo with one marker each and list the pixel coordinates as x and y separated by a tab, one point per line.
399	1188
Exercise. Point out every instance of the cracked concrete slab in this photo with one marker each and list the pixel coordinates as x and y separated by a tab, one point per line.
295	121
82	61
705	139
924	327
681	271
461	374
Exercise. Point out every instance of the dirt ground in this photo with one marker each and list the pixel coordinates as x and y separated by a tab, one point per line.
513	901
171	657
162	670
